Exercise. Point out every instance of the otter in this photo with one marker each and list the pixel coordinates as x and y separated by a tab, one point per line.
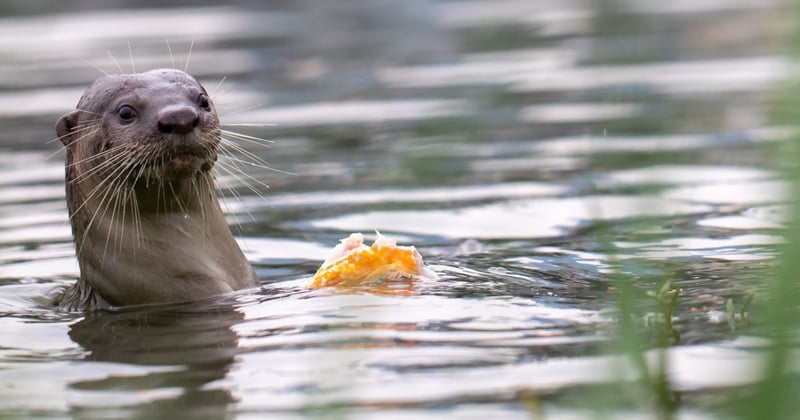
140	190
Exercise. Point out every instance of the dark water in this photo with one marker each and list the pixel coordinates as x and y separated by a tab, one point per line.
511	141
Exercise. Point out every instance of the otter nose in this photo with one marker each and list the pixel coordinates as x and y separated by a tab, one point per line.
178	120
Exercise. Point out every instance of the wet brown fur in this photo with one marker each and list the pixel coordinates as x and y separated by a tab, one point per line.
147	224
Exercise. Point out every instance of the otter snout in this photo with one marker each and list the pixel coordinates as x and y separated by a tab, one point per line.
178	120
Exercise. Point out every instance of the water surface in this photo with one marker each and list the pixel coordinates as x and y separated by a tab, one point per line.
528	149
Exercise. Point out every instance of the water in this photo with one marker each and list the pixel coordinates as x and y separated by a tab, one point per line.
505	139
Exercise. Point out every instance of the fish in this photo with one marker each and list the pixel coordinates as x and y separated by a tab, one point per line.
352	263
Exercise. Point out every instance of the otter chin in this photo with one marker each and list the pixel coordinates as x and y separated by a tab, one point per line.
141	194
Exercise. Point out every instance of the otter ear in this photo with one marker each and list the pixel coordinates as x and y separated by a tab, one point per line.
65	125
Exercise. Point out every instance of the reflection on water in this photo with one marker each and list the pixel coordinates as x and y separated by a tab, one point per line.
499	137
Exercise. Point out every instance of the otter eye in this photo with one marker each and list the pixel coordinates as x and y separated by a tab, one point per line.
203	102
126	113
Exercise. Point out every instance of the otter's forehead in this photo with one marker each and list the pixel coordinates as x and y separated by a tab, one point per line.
107	89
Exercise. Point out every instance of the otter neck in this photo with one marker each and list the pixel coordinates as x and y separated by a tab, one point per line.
189	203
174	195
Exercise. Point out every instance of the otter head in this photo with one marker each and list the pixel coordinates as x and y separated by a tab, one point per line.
154	132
